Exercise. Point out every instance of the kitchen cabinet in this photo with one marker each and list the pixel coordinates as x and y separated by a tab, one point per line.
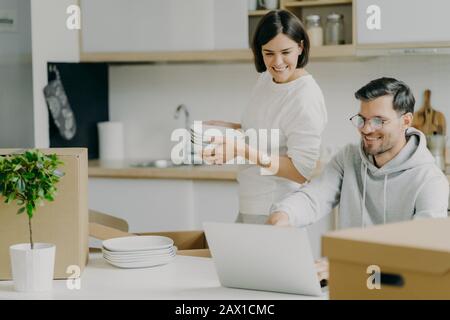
147	205
123	35
430	36
215	201
144	27
164	204
402	23
323	8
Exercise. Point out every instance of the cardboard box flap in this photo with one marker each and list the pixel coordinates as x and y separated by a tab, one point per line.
418	245
103	232
184	240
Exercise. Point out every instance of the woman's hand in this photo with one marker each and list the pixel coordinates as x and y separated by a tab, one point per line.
225	124
223	149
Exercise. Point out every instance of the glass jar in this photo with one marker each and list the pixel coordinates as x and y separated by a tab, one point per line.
334	33
314	30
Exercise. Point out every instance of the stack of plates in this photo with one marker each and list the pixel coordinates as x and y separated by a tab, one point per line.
138	251
202	135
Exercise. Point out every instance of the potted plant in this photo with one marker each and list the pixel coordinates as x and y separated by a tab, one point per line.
29	179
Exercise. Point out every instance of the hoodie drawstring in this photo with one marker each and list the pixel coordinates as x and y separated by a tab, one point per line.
384	199
363	202
363	205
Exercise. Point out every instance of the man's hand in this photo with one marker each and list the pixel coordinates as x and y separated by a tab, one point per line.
280	219
322	269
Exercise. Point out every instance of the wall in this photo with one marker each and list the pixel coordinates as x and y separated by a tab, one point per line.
16	91
144	97
51	41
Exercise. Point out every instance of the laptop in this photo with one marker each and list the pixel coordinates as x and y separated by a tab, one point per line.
263	257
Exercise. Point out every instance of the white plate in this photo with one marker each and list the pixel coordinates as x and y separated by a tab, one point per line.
138	257
138	243
141	252
143	264
151	260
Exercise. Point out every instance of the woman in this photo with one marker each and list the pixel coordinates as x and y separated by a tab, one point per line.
287	98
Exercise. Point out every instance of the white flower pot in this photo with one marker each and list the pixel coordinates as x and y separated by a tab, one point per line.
32	270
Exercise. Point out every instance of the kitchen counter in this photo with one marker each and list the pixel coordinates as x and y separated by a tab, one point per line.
185	278
120	170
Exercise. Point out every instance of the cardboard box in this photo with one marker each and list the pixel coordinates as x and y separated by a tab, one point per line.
412	261
189	243
63	222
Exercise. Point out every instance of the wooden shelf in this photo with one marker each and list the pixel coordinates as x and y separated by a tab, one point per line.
345	50
258	13
315	3
241	55
173	56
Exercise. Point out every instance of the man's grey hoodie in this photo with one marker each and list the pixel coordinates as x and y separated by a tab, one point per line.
409	186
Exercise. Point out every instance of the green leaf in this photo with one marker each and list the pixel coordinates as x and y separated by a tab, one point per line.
29	179
20	185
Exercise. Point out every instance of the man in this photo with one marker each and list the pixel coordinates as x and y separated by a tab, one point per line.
390	176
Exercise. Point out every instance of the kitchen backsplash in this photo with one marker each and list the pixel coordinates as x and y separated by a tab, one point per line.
144	97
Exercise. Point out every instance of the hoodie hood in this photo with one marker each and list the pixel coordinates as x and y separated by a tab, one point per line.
413	154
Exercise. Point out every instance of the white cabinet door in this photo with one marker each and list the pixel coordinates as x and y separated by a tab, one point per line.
215	201
402	21
164	204
146	204
163	25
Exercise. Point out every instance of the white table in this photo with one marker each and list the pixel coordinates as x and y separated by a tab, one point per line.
184	278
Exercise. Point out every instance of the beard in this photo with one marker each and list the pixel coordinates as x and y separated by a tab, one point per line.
385	144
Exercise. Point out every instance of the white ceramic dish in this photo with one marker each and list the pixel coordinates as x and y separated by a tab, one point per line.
141	264
139	253
139	259
138	243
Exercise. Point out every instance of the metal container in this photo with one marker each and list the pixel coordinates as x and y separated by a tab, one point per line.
334	32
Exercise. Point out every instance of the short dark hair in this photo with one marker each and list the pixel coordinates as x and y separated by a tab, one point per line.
274	23
403	99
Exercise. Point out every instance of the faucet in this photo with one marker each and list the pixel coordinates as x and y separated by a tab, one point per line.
186	114
186	126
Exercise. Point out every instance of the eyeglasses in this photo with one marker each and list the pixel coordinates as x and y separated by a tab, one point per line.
376	123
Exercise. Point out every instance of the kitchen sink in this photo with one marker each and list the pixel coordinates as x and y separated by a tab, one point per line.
160	163
165	163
